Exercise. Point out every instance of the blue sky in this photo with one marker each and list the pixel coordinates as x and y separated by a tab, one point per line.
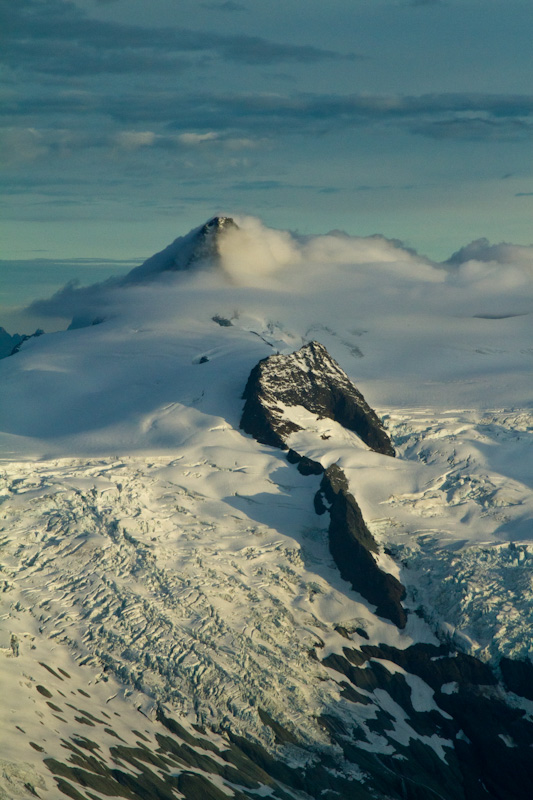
126	123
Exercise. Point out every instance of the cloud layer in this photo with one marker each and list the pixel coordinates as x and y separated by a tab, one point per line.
354	115
255	256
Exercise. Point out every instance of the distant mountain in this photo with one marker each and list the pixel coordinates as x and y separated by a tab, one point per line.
266	529
201	245
10	344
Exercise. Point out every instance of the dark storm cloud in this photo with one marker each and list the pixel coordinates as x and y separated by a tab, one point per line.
55	37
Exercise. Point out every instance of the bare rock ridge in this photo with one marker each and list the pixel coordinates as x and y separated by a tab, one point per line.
351	545
312	379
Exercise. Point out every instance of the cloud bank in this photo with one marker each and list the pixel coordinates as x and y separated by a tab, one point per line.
480	278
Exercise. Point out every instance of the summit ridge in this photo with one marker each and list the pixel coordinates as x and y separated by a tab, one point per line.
199	246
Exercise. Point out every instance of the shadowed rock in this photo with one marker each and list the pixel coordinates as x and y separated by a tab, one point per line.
311	378
518	676
352	545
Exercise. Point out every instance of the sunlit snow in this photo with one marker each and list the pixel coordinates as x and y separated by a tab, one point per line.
142	529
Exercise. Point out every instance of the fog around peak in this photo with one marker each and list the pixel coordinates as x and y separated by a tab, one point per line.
247	262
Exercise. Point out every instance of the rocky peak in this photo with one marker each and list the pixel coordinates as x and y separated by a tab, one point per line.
201	245
311	378
206	241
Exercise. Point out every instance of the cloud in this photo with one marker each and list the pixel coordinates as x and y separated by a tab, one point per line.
253	251
132	140
435	115
483	252
197	138
85	304
476	129
375	277
27	144
20	145
58	38
425	3
254	116
259	185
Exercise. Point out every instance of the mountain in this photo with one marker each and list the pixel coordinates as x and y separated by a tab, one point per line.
266	527
200	246
10	344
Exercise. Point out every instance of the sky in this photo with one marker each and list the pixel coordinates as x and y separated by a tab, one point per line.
126	123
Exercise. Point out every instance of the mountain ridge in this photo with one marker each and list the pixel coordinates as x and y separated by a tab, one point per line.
184	627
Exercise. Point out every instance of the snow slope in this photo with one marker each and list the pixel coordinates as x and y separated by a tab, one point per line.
159	555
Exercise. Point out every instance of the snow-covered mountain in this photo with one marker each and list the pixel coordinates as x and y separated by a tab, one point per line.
266	526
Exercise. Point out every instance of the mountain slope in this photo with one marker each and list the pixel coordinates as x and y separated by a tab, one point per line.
160	559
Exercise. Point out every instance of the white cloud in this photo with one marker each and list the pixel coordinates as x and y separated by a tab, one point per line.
252	251
132	140
483	251
197	138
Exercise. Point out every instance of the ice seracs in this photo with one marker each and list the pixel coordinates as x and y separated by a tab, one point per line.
188	625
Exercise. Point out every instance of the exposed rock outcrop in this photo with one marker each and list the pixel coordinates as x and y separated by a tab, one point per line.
8	342
487	739
310	378
518	676
352	547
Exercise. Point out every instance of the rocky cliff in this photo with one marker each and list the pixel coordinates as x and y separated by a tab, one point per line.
311	378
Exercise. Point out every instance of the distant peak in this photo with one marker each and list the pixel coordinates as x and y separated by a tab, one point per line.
206	241
199	245
219	223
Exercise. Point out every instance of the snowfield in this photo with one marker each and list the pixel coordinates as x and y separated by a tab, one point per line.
163	559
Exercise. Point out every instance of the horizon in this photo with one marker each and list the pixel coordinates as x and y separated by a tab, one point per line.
27	281
407	118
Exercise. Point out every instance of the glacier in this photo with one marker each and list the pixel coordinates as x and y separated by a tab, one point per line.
184	629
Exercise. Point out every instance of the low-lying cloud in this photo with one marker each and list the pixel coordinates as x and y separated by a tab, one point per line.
479	278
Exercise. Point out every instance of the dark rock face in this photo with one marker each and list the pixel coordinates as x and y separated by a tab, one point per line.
518	676
8	342
312	379
304	465
485	740
206	242
488	750
38	332
435	665
351	545
9	345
